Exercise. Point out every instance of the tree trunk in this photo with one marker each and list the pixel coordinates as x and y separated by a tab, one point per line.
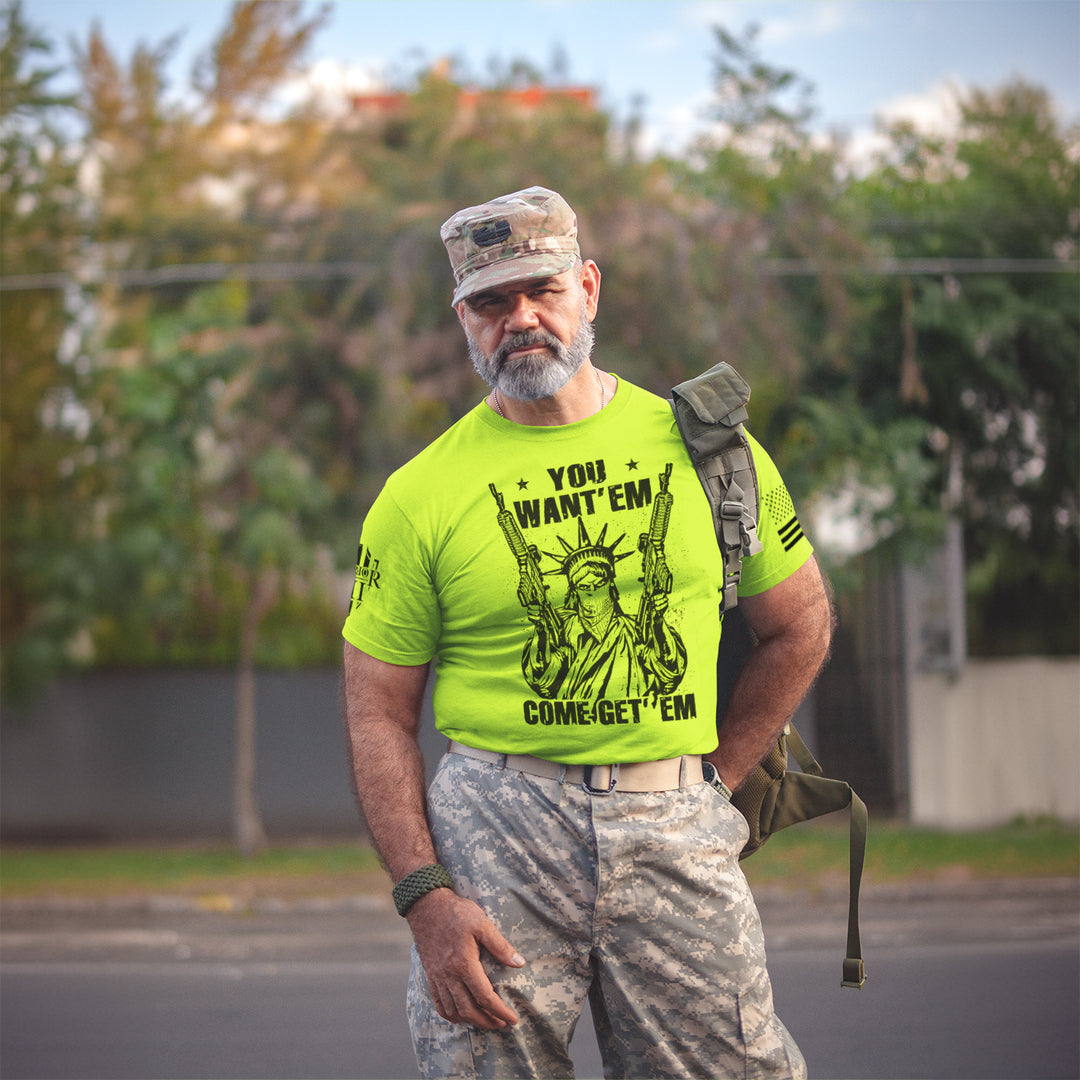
248	832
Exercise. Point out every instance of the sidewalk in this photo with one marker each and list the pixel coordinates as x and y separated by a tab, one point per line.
365	927
927	912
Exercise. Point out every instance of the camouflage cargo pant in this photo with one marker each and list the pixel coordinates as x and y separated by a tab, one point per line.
633	901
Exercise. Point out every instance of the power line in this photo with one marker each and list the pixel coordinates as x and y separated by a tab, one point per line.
328	271
933	266
191	272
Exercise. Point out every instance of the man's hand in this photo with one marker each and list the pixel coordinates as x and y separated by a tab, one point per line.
450	932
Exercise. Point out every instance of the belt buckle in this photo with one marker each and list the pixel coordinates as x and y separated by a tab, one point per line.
586	781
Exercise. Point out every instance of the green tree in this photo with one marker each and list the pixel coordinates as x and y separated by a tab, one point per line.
42	597
216	444
446	145
775	253
989	357
260	46
206	485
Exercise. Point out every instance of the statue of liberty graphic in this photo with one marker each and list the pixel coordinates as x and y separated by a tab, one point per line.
589	648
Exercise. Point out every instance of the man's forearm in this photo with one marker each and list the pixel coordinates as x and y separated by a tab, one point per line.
765	697
389	772
388	768
793	623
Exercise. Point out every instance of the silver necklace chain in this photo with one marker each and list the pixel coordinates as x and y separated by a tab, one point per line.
599	382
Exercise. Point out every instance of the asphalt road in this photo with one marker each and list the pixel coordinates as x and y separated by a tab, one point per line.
963	982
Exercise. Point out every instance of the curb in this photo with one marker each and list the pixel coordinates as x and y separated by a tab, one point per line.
772	896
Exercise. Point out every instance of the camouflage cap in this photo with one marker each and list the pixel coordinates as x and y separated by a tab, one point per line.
528	234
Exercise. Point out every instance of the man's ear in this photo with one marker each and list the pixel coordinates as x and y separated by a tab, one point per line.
590	282
460	309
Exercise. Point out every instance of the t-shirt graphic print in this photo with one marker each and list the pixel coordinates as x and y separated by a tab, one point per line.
588	648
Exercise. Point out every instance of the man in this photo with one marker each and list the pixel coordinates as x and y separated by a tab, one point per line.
569	848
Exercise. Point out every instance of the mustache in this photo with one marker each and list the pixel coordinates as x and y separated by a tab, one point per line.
525	339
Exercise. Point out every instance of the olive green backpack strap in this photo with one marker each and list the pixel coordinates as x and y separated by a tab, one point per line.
809	794
710	411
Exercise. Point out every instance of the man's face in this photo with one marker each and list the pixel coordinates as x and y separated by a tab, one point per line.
529	338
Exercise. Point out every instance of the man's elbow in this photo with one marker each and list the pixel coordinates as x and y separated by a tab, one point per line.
821	625
821	647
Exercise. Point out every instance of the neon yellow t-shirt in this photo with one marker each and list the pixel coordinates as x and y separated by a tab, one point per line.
518	556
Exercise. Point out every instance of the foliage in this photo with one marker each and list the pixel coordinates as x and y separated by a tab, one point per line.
206	870
989	360
798	857
207	440
257	50
194	453
802	858
774	263
43	483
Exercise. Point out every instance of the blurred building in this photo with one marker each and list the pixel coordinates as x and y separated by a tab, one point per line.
524	101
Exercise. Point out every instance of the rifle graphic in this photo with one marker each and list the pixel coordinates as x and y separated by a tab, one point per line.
532	592
655	575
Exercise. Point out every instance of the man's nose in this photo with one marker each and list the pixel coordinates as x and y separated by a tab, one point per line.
522	315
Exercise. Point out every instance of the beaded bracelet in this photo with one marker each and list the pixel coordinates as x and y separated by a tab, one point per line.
419	883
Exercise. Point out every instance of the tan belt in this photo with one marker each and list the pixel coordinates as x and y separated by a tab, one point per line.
666	775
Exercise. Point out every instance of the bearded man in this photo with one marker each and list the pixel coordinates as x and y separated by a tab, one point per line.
588	854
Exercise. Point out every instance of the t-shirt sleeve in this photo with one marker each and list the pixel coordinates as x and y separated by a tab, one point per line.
785	546
393	609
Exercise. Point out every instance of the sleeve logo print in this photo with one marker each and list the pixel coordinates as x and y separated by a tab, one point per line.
783	513
367	576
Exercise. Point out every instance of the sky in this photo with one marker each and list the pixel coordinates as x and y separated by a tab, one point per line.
864	58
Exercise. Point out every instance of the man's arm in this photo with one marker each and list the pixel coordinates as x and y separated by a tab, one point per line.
793	624
382	716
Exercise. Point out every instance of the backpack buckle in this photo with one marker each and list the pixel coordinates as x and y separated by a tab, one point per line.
854	973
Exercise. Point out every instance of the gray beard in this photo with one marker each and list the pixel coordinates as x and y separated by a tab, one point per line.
530	378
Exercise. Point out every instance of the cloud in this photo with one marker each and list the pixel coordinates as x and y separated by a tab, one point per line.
336	77
934	112
729	13
673	128
659	44
808	20
329	84
779	22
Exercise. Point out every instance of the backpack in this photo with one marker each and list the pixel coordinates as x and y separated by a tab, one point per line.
710	410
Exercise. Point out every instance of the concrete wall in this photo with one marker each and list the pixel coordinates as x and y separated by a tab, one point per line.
148	754
113	755
118	755
999	740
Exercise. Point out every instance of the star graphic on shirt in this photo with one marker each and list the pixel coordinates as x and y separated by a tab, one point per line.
631	465
523	484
